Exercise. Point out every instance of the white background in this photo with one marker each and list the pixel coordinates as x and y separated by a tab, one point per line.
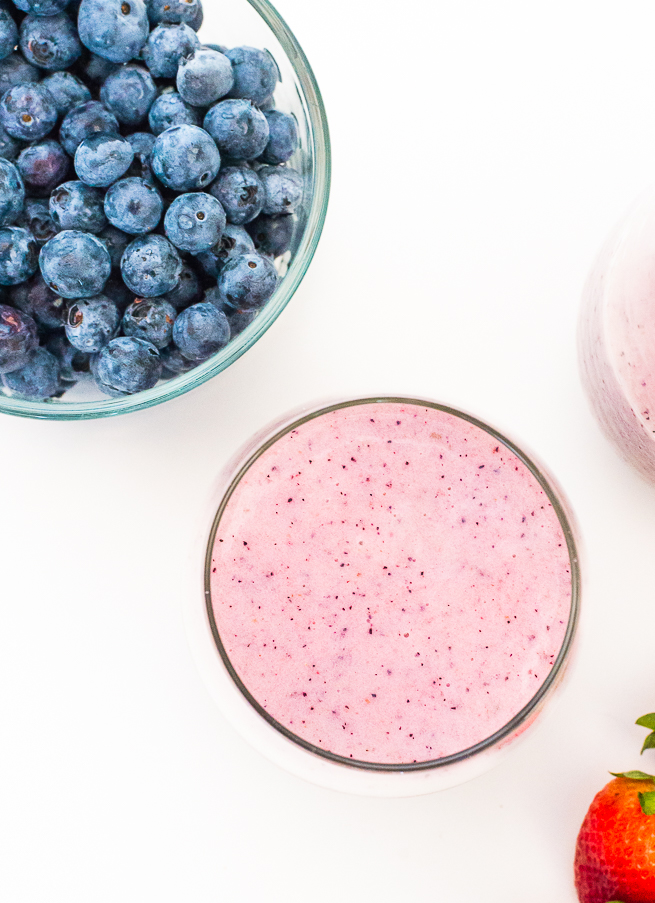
481	153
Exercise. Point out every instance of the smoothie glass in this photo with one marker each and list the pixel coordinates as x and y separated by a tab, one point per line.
617	336
357	586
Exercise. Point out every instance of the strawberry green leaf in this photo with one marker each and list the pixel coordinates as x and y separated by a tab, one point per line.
633	775
649	722
647	802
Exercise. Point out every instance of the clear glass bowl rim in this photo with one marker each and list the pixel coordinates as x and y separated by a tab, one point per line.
559	506
321	151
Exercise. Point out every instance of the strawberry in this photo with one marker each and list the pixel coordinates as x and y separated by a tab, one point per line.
615	850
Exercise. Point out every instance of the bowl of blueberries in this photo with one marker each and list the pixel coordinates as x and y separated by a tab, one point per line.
161	196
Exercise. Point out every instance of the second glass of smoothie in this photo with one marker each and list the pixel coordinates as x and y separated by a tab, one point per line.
392	587
617	336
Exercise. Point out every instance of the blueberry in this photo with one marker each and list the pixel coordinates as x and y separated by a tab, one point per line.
115	240
97	68
283	137
166	46
113	29
168	110
272	234
35	298
185	158
200	331
213	296
18	338
238	128
85	121
9	147
49	42
239	320
37	220
74	205
19	255
283	187
175	12
91	323
126	366
247	282
174	362
75	264
28	112
142	143
267	105
43	166
187	291
42	7
103	159
12	193
255	73
73	364
195	222
8	33
129	93
14	70
151	319
38	379
204	76
234	242
134	206
151	266
241	193
67	91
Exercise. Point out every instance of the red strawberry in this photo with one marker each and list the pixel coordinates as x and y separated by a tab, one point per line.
615	852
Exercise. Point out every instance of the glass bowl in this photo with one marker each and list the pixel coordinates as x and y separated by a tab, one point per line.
616	336
249	681
254	23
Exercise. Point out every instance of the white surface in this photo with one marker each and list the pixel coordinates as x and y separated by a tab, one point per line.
481	153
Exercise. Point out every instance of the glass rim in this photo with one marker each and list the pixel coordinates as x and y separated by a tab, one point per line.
319	136
559	506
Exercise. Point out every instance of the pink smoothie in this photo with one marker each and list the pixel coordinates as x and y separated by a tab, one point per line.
617	337
390	583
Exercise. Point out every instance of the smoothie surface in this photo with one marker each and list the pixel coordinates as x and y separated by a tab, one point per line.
390	583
